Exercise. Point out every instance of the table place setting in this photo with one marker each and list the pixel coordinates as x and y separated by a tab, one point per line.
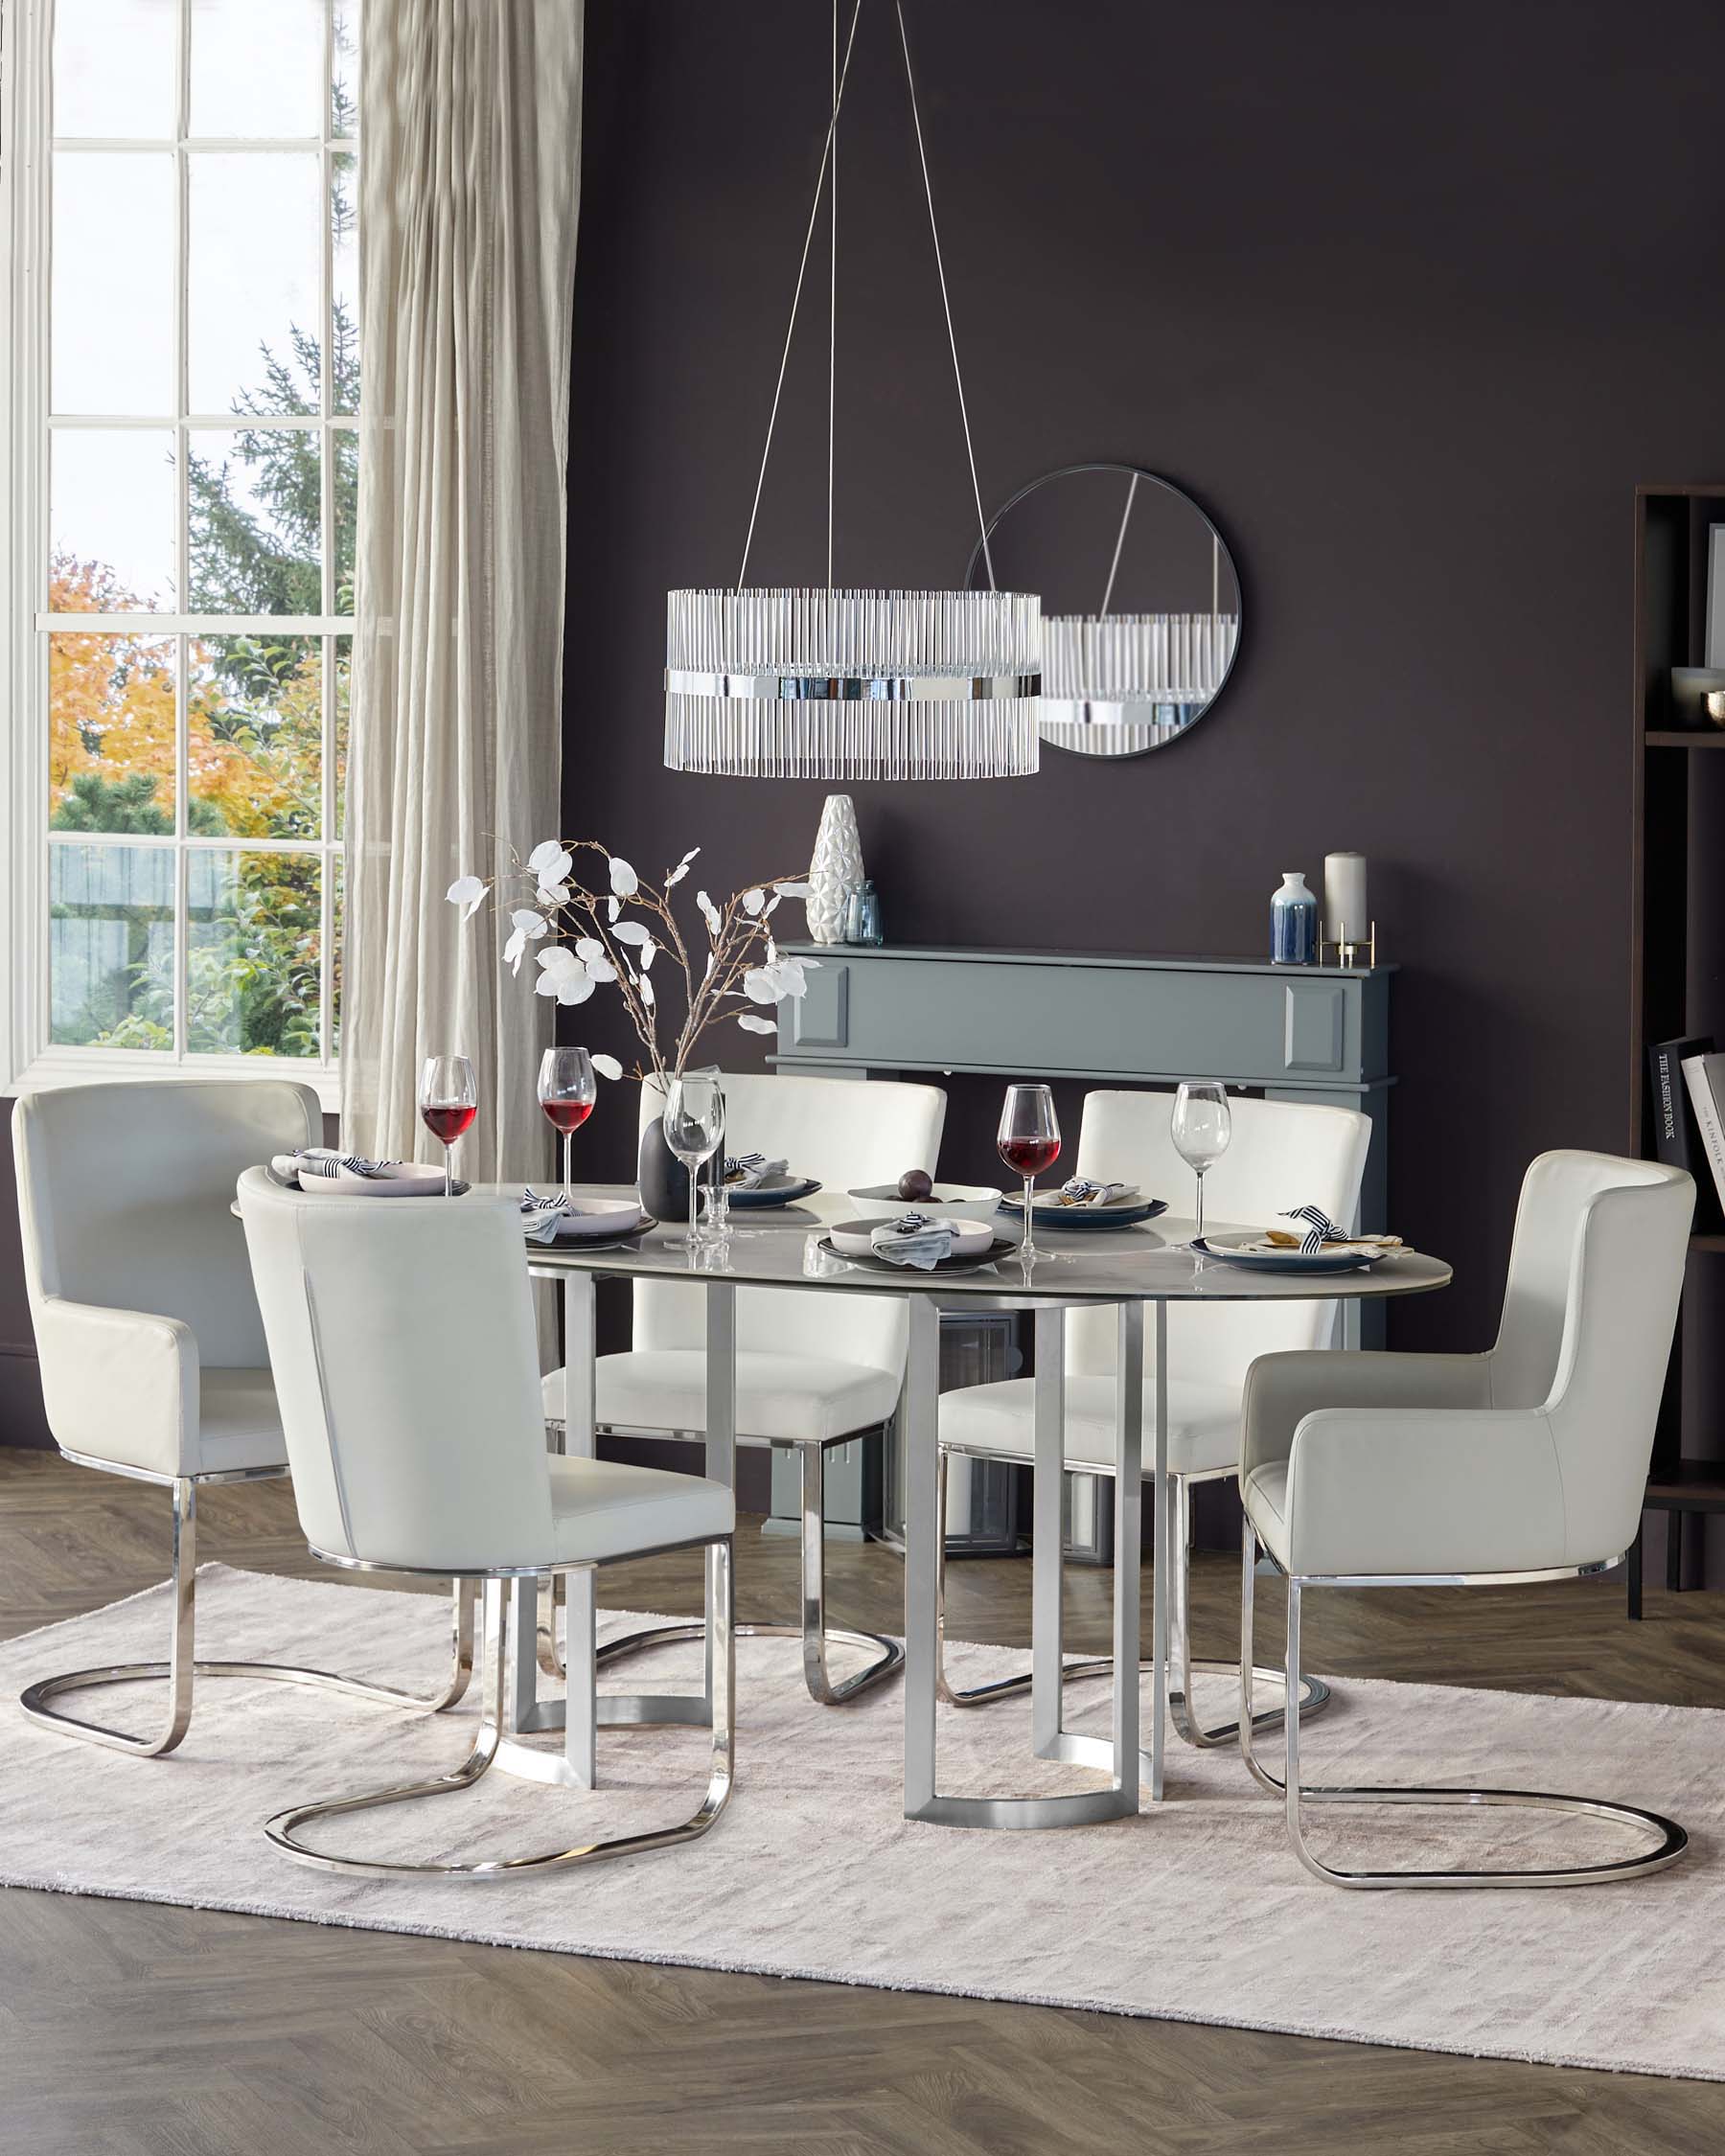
320	1170
560	1216
1082	1205
753	1184
1318	1246
926	1242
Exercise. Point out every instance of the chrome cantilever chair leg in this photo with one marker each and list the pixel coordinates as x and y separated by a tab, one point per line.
1315	1692
886	1653
1669	1840
284	1829
180	1668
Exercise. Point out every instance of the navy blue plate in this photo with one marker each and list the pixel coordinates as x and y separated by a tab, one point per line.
784	1190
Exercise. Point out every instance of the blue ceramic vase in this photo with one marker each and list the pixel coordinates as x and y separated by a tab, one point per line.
1293	923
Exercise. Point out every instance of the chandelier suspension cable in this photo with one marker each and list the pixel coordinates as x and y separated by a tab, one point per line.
833	294
946	303
1114	568
802	270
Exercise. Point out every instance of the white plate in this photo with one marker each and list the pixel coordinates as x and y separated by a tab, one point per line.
852	1238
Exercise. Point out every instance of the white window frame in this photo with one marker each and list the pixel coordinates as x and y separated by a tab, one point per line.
29	1060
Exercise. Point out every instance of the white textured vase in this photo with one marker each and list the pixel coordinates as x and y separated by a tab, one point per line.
836	870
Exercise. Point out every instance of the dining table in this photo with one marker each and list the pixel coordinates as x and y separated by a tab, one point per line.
1147	1268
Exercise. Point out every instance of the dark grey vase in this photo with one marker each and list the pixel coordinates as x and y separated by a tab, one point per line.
662	1178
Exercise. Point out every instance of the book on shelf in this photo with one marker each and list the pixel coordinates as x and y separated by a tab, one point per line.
1703	1081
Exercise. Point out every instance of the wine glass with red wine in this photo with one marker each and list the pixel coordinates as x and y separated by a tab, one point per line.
449	1100
1029	1141
566	1092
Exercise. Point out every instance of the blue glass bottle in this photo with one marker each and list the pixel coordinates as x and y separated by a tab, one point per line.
862	914
1293	923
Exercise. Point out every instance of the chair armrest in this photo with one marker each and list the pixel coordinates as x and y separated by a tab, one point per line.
118	1385
1282	1390
1427	1490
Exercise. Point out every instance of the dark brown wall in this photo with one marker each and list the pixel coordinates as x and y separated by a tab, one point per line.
1410	298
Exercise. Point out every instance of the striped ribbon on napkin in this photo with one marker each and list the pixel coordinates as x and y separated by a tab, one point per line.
1319	1229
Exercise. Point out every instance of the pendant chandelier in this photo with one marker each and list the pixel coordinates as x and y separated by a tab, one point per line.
823	682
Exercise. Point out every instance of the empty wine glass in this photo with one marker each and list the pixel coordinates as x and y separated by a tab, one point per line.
1028	1142
694	1122
449	1100
566	1092
1201	1128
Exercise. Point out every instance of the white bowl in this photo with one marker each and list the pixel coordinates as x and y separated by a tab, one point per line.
956	1201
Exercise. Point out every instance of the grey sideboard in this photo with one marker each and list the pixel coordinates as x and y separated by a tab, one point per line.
1314	1033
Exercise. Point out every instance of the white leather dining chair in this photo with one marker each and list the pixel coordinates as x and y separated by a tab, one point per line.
1283	1154
406	1351
814	1371
150	1347
1525	1463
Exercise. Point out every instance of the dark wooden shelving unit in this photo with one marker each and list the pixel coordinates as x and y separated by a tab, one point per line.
1677	980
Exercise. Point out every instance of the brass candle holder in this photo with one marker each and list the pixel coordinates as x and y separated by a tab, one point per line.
1352	954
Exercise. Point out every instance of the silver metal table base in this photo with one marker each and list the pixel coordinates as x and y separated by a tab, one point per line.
1119	1756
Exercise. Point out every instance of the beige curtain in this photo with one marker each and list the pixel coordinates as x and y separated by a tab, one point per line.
467	190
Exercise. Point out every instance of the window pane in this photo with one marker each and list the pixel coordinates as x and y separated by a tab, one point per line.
110	934
257	70
344	262
253	309
255	514
252	953
344	83
111	733
344	448
113	263
254	737
111	519
115	65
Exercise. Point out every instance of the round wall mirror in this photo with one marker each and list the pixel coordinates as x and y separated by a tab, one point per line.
1141	603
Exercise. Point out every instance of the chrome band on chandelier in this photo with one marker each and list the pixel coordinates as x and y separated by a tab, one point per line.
853	688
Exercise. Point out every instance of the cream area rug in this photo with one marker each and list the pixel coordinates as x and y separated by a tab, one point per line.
1195	1911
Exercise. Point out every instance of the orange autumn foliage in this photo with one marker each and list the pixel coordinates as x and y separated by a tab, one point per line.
253	761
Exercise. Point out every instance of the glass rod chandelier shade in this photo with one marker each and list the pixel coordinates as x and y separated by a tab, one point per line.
823	682
1115	683
852	685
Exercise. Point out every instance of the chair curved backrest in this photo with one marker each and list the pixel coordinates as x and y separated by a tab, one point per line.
1596	1275
403	1339
1281	1154
850	1133
125	1196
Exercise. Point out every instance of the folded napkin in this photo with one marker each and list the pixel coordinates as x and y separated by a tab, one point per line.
1081	1190
914	1239
751	1170
329	1166
540	1214
1317	1232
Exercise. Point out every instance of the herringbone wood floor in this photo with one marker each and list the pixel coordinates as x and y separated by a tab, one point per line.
127	2030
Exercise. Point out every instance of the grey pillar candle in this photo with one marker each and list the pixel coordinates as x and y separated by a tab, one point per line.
1345	912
